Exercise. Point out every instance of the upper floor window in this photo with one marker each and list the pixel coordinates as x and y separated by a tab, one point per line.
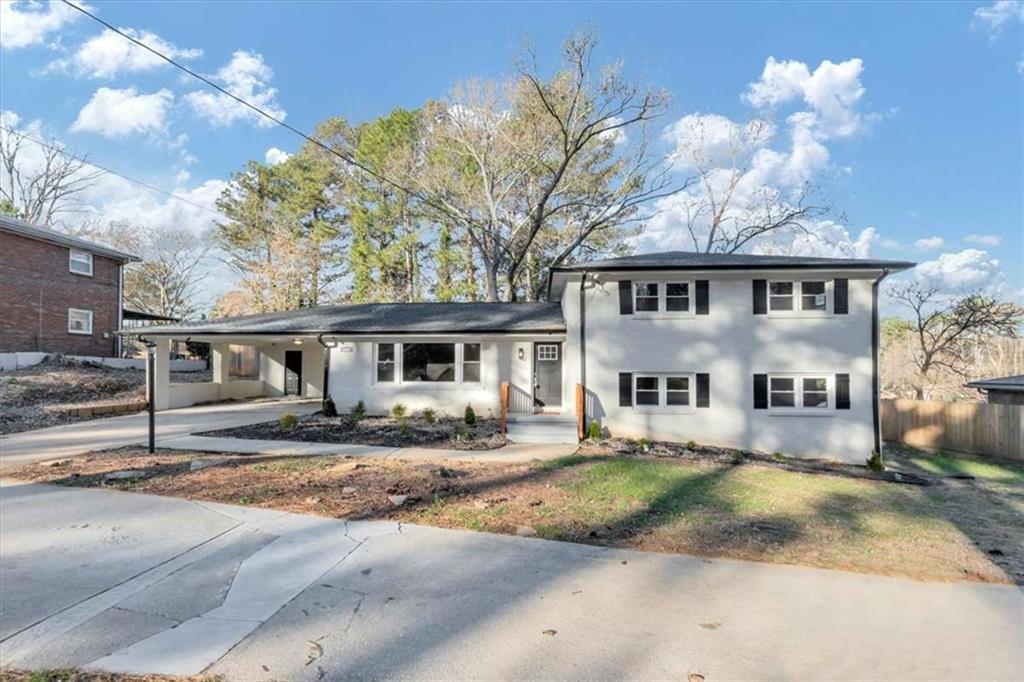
661	297
805	296
79	321
80	262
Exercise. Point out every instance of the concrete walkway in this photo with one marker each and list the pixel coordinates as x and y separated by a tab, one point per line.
515	452
128	582
70	440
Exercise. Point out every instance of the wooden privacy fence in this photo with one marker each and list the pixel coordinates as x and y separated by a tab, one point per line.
974	428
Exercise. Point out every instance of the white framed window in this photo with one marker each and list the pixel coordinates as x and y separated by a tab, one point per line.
645	297
80	262
800	393
471	362
385	362
646	391
670	391
547	352
798	297
427	363
79	321
662	298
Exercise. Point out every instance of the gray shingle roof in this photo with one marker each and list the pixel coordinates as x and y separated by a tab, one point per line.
45	234
687	260
382	318
1014	384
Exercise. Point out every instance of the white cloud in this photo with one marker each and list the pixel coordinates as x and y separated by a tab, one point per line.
118	113
966	271
30	23
109	54
929	244
275	156
826	239
994	17
832	91
246	76
984	239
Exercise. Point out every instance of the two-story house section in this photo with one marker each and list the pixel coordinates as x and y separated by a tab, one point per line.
58	293
771	353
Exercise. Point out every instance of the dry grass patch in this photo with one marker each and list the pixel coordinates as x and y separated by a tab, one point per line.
955	530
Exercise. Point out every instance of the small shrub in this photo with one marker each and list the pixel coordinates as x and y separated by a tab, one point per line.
875	462
643	445
403	426
460	433
594	433
287	422
691	445
359	410
330	410
778	457
398	410
470	416
738	457
428	415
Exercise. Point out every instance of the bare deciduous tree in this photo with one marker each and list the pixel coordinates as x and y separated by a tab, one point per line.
733	205
40	181
945	327
568	155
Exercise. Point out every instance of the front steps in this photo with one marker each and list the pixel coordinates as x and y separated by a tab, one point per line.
542	428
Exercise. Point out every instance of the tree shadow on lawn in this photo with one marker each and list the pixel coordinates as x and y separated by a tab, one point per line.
649	503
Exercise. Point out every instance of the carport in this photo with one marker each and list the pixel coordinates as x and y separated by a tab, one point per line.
244	366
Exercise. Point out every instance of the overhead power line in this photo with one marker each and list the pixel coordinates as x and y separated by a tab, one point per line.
344	157
80	159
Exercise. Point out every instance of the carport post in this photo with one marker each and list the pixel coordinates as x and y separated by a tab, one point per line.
151	378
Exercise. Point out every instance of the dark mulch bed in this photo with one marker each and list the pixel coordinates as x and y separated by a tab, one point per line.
415	431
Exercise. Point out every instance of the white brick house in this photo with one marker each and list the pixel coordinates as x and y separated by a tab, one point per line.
770	353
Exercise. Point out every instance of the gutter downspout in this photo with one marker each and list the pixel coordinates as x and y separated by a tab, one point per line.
876	385
327	368
583	344
118	341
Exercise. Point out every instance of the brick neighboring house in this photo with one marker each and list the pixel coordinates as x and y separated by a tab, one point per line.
58	294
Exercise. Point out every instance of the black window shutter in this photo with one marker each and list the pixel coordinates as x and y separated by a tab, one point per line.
625	389
702	297
703	390
842	391
760	297
841	297
760	391
625	297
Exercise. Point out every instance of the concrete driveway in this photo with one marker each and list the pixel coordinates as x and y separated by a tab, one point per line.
127	582
69	440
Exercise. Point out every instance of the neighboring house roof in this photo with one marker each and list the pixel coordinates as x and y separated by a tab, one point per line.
1014	384
20	227
381	318
686	260
129	314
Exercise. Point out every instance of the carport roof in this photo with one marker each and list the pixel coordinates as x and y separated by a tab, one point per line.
379	318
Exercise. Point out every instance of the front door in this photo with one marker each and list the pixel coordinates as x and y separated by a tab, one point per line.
293	372
547	375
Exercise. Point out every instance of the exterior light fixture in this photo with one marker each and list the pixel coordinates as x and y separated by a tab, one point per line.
522	353
297	342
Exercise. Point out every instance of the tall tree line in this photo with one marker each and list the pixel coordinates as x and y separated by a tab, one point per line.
470	197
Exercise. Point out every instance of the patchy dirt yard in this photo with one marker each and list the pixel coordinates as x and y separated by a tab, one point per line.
955	529
411	431
28	396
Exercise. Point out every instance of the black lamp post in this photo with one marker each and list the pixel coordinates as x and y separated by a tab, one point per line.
151	383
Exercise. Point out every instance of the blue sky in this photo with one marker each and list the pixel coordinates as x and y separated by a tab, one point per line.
936	153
